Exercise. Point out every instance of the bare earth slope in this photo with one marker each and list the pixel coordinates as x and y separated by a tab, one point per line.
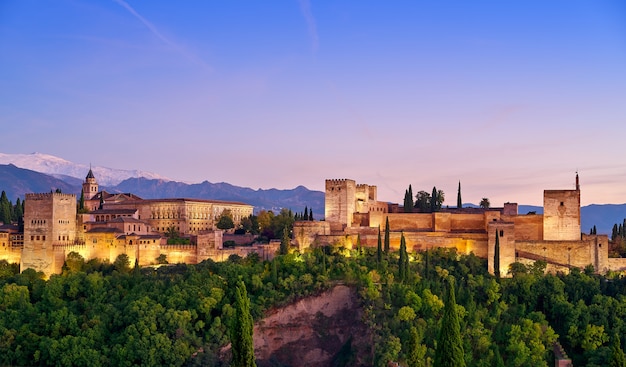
325	330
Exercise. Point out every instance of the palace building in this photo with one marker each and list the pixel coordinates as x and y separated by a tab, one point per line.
120	223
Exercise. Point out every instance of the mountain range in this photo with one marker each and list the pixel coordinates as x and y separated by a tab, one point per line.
17	181
37	172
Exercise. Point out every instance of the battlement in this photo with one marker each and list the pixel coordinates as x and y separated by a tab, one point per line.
48	195
338	181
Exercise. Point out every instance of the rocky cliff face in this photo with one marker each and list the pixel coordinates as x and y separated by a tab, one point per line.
317	331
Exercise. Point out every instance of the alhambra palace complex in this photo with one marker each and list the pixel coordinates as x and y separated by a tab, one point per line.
118	224
353	213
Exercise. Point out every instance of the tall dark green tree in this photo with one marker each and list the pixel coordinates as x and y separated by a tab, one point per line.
459	202
284	242
496	256
5	208
18	210
379	249
387	236
311	214
81	202
449	352
433	200
241	329
403	261
618	359
415	350
306	213
408	200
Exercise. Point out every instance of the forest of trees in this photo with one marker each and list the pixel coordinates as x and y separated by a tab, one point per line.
97	313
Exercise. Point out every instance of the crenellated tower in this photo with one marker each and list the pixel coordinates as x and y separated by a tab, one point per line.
340	203
49	219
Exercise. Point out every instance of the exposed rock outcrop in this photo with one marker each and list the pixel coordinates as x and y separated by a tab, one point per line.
325	330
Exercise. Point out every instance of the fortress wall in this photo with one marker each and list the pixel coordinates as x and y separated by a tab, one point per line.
179	254
149	251
10	254
408	221
569	253
415	241
305	232
617	264
528	227
467	222
465	243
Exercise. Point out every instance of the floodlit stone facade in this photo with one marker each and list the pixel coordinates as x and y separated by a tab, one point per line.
352	211
116	224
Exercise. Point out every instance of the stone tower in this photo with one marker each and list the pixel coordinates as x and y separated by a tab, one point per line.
90	186
561	214
340	201
48	219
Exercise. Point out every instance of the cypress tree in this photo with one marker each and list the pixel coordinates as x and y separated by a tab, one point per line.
284	243
433	200
459	202
241	330
18	210
449	352
81	202
410	199
595	230
310	213
496	257
415	352
274	272
405	206
379	250
387	236
5	208
403	261
614	232
618	359
306	213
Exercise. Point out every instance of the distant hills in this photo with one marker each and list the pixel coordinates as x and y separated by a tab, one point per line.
19	181
57	173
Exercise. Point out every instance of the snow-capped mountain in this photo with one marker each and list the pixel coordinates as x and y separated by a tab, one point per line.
59	167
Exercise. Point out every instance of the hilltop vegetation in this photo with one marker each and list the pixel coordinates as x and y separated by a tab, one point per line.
112	314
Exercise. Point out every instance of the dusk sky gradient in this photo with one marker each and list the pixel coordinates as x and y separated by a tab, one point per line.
509	97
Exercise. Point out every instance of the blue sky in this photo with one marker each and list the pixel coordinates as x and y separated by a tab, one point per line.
509	97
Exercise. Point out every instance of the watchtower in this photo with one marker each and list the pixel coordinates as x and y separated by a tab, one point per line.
48	219
561	214
90	186
340	202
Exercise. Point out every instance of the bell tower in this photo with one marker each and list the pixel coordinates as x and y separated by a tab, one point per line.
90	186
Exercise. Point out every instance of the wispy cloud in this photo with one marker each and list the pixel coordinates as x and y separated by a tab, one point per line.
184	52
305	7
